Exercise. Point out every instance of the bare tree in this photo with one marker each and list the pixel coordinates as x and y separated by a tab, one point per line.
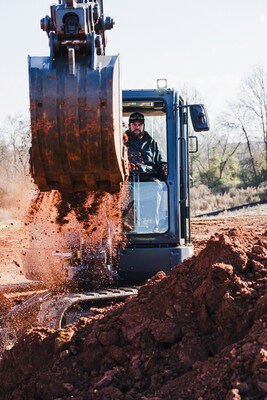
253	101
238	120
5	161
248	116
226	153
16	133
219	166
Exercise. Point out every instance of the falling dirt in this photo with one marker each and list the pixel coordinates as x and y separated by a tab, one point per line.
199	333
63	229
78	202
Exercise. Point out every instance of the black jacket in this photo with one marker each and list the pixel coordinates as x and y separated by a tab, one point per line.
145	157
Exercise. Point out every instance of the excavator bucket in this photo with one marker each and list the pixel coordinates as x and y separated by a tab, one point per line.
75	103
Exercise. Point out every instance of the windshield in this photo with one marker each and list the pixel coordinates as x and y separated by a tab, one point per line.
145	208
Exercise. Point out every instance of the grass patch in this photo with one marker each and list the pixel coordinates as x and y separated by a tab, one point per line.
203	200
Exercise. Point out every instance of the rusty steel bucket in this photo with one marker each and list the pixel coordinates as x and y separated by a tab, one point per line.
76	124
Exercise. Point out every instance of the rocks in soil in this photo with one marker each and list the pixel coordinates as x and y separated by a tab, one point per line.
199	333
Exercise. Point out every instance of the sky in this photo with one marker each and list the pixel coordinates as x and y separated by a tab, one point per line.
209	45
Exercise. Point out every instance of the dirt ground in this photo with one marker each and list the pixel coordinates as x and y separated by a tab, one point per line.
198	334
12	239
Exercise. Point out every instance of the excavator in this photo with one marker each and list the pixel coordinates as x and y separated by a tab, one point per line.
78	117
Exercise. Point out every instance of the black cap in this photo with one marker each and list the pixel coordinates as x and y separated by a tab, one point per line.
137	117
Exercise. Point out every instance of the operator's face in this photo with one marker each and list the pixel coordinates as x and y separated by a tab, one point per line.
137	129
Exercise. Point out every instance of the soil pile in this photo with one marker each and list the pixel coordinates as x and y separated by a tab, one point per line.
198	334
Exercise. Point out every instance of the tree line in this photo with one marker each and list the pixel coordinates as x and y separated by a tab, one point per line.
233	154
15	141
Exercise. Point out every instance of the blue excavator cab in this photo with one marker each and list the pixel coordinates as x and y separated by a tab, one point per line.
158	212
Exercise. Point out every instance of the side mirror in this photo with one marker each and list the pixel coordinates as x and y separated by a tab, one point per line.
199	117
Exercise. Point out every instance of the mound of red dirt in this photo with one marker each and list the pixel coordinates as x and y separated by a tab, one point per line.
198	334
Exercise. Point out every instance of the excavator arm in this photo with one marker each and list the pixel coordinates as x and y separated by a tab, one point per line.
75	103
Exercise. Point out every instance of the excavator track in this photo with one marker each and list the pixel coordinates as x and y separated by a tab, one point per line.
53	308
